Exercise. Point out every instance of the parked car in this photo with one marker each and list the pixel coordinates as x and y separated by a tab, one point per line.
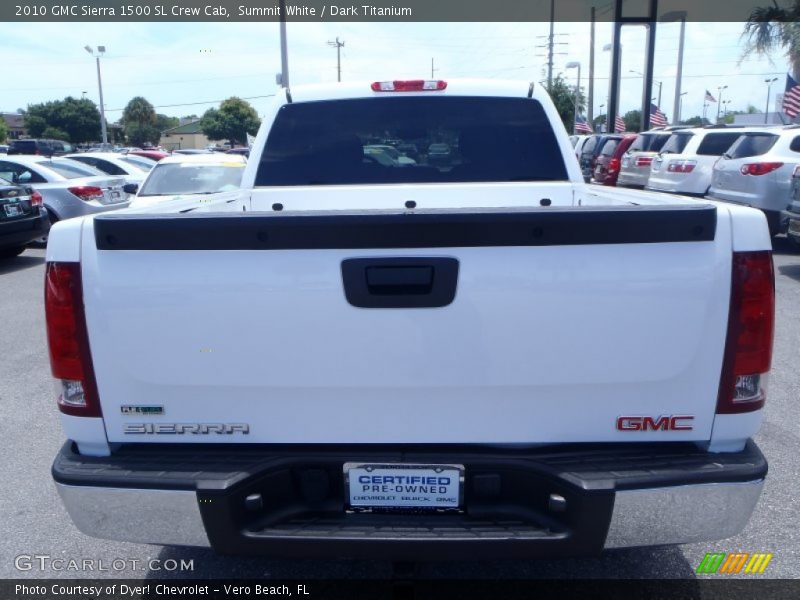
68	188
107	147
607	164
141	162
439	155
577	144
192	151
40	147
113	164
178	176
591	150
3	149
392	154
686	161
22	218
240	151
792	213
757	169
151	154
635	164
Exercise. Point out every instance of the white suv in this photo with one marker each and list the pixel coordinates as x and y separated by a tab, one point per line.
686	162
757	169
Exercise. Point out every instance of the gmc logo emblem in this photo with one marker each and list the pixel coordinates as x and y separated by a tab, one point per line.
666	423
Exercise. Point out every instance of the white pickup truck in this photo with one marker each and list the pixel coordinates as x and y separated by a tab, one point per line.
468	353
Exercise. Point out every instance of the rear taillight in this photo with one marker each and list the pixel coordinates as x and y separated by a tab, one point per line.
87	192
613	165
643	161
36	198
70	359
761	168
413	85
681	166
751	320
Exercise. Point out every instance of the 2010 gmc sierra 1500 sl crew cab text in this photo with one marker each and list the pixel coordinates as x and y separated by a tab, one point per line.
474	356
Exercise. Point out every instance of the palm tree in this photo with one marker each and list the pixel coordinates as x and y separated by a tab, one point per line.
769	28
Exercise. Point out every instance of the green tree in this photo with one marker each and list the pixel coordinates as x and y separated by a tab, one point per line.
163	122
140	122
77	118
633	120
35	125
232	121
697	121
773	27
3	130
54	133
563	96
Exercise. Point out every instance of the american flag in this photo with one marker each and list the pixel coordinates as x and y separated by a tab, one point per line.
791	97
709	97
581	126
619	124
657	118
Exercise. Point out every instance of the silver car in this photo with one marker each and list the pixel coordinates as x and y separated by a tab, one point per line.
68	188
792	212
757	169
132	168
686	162
635	164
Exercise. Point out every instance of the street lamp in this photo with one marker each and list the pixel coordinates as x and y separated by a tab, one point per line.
725	110
600	122
575	65
660	83
719	99
609	48
100	51
677	15
769	83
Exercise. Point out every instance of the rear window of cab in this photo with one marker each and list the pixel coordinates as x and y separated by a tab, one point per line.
367	141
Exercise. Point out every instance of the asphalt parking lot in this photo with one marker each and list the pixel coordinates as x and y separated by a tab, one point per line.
35	523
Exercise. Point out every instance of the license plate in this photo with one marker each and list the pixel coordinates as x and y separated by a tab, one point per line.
404	486
794	225
115	196
12	210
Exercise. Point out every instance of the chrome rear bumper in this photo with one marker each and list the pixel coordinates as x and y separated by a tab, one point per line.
606	496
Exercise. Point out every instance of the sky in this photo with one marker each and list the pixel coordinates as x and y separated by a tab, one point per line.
186	68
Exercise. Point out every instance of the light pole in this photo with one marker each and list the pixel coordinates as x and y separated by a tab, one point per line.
100	51
677	15
680	108
769	83
575	65
338	45
660	83
719	99
725	110
609	117
601	123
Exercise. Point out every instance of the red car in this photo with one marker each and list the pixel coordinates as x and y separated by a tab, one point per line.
607	165
152	154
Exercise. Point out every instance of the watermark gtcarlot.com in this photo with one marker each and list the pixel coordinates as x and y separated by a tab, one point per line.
59	564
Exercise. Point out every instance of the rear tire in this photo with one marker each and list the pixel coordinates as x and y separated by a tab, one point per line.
42	241
11	252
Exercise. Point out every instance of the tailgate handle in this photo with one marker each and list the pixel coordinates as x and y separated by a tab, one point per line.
400	282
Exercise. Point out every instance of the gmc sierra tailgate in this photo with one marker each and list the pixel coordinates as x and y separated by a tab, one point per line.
499	326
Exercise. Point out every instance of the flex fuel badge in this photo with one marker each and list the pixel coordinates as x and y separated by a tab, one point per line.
137	409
